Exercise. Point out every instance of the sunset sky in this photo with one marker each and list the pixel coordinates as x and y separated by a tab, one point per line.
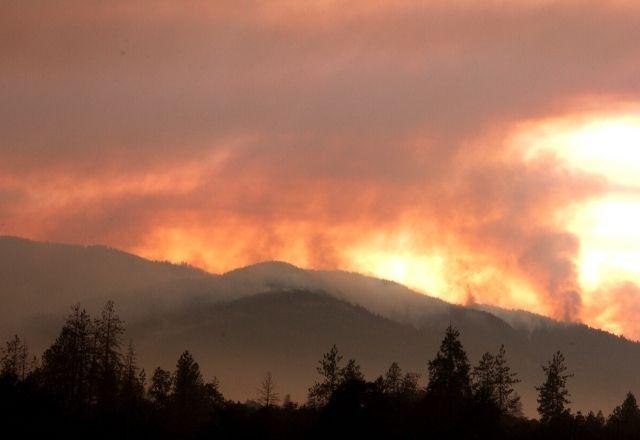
483	151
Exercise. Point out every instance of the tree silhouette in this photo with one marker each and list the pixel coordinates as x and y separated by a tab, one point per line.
66	365
449	371
506	397
553	394
625	418
331	377
392	380
14	359
484	378
133	380
396	385
160	388
289	404
62	397
188	398
351	372
107	359
187	381
267	395
409	385
493	382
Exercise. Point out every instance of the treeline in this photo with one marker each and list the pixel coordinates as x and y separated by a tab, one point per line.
88	385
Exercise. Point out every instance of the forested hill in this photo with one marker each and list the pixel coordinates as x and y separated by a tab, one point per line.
277	317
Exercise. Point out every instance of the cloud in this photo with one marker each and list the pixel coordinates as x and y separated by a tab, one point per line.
230	132
615	307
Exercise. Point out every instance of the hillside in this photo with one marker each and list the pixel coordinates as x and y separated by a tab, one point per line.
279	318
40	281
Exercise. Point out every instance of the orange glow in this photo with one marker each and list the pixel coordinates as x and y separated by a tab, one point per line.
607	144
608	227
485	151
417	253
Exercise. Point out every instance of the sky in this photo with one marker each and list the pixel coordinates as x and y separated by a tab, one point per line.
478	151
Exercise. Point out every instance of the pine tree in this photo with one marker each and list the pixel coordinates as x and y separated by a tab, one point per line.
625	418
484	379
392	381
409	386
351	372
160	388
132	382
66	365
594	424
187	381
449	371
330	372
212	394
553	395
506	397
107	360
191	401
267	395
14	359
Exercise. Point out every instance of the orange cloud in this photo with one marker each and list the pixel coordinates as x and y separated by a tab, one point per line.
352	137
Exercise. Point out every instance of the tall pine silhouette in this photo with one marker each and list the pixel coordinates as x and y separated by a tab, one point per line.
553	395
67	364
330	378
449	371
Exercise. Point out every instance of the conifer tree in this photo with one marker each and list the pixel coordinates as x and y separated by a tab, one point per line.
66	365
191	401
409	385
507	398
132	381
594	424
107	359
553	395
392	381
449	371
14	359
187	381
351	372
160	388
625	418
484	378
331	377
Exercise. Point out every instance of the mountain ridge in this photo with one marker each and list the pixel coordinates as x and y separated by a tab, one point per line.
267	270
169	308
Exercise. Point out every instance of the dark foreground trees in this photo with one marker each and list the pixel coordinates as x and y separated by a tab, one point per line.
89	386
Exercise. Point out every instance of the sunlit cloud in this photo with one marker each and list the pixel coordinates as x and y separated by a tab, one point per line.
606	144
486	153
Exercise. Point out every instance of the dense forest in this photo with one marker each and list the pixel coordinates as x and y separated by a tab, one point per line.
87	384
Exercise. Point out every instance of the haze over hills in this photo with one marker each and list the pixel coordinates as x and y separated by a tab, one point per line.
277	317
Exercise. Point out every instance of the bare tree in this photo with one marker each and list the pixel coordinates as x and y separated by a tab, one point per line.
267	395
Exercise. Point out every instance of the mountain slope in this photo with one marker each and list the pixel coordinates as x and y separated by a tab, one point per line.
40	281
275	316
287	332
384	297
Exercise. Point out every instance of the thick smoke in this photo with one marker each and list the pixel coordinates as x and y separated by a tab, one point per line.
226	133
